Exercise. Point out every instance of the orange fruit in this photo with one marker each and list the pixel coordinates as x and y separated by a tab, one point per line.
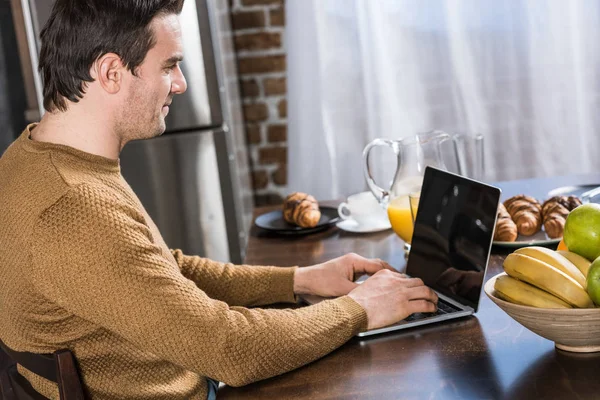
562	245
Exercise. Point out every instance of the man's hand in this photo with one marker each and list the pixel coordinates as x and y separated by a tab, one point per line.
336	277
389	297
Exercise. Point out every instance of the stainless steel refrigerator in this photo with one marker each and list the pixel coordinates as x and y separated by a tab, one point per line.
194	180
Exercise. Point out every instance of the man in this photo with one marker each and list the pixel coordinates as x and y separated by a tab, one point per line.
83	267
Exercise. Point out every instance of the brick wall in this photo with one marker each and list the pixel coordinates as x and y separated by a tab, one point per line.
258	36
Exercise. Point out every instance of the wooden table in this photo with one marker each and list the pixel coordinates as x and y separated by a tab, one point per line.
487	356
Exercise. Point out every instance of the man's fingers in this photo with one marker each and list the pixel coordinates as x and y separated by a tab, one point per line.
422	292
385	265
413	282
371	266
423	306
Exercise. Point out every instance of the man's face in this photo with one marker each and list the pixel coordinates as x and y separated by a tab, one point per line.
158	79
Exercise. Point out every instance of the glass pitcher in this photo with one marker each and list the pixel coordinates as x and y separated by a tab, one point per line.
414	153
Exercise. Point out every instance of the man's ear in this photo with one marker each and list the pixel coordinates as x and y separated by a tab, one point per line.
108	70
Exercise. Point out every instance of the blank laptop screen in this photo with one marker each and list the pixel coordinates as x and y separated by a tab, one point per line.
453	235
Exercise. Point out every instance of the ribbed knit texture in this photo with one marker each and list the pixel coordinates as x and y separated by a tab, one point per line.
83	267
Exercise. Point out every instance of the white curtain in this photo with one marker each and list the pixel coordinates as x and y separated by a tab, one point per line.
524	73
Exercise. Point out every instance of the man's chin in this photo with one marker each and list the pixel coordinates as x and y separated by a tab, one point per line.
152	133
162	128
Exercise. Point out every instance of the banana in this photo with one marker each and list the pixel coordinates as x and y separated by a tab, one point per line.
556	260
582	263
518	292
548	278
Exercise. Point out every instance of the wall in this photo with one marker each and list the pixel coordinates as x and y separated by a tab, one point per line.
259	40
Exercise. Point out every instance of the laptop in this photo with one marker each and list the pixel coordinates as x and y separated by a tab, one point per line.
451	244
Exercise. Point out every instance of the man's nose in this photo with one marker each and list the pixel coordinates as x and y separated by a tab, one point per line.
179	84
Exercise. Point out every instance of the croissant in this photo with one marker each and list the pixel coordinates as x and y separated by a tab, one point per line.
301	209
554	214
526	212
506	229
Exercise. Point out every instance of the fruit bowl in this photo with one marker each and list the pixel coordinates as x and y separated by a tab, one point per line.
574	329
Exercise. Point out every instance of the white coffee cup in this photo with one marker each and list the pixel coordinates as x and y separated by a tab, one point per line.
363	208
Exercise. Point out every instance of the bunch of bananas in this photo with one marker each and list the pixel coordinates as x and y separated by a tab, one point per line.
540	277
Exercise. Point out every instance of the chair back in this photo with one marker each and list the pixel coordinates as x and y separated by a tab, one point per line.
59	368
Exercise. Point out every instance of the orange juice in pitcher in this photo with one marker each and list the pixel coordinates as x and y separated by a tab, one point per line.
401	213
400	217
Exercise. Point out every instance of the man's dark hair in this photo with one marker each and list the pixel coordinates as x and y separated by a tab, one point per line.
79	32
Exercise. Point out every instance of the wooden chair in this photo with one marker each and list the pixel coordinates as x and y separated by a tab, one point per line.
59	367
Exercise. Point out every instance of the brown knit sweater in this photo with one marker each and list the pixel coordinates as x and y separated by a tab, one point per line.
83	267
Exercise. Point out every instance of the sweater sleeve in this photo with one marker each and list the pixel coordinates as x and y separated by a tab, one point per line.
94	256
238	285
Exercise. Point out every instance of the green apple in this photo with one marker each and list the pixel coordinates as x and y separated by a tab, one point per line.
582	231
593	281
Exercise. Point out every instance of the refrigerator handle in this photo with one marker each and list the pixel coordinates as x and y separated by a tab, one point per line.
28	51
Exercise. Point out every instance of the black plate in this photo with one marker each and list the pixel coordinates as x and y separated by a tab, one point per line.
273	221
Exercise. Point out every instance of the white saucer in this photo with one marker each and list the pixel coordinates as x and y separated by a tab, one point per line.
374	225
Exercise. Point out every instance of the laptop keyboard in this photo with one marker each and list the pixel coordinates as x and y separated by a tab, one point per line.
443	308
